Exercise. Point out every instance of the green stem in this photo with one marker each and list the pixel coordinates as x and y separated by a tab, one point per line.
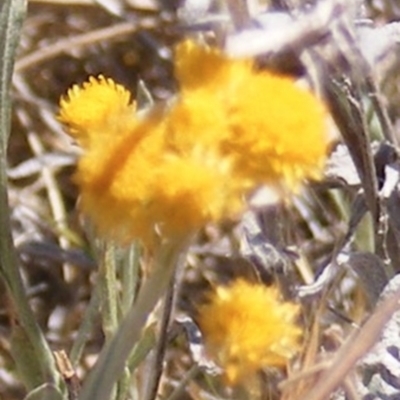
85	327
130	277
111	362
108	284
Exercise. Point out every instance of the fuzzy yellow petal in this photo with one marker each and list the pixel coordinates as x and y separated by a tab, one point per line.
196	120
200	66
194	190
97	107
116	179
246	327
278	131
275	130
137	185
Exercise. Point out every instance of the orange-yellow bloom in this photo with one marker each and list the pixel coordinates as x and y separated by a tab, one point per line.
136	183
246	327
100	107
275	130
196	119
203	67
170	170
278	139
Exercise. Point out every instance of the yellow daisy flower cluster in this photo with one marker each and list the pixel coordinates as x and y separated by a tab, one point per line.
169	170
246	327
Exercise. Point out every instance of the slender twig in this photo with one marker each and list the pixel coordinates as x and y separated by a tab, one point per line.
350	389
178	391
75	42
381	112
68	373
66	2
160	349
55	199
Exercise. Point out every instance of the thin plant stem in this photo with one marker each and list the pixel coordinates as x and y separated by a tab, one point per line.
142	348
130	277
85	327
108	283
381	112
178	391
123	385
112	359
65	45
55	200
157	367
68	3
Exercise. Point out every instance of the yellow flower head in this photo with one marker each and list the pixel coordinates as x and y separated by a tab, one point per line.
115	178
200	66
246	327
196	120
172	169
274	130
99	107
192	190
278	131
137	185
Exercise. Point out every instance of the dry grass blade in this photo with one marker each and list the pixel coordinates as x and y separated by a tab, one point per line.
357	345
63	46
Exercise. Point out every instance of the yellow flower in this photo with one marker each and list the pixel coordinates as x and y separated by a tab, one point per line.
274	130
99	107
278	131
246	327
194	189
172	169
196	119
116	178
136	182
203	67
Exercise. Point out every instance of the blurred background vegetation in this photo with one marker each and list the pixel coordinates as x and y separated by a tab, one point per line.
62	43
